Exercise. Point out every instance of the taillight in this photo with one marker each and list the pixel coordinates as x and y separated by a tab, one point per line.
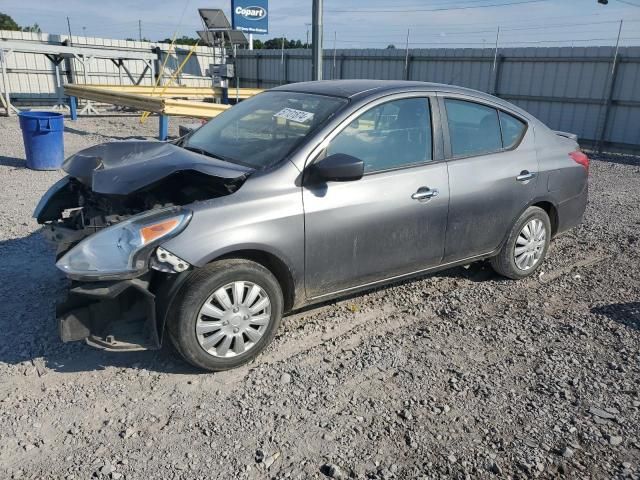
581	158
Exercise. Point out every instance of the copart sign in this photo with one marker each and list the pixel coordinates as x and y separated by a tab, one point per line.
250	16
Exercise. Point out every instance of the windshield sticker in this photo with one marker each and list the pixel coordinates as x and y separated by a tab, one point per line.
294	115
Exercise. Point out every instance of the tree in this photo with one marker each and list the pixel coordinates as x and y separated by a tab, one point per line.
273	43
184	40
276	44
391	47
35	28
8	23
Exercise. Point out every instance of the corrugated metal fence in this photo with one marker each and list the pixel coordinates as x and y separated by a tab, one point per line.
570	89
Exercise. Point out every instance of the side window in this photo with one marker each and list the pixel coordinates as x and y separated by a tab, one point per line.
512	129
474	129
394	134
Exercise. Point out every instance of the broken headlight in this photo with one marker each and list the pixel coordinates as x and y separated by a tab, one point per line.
122	250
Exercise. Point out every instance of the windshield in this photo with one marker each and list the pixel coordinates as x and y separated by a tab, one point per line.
262	130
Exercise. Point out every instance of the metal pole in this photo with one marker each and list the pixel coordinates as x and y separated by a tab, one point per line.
251	41
333	71
496	76
140	29
58	83
282	51
73	108
495	54
163	127
495	61
609	94
152	71
406	58
236	72
282	62
69	27
615	56
5	82
316	39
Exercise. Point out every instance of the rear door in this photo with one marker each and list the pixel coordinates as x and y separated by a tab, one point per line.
492	174
393	220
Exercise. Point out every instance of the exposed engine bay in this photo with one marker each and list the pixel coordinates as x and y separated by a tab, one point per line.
75	212
111	182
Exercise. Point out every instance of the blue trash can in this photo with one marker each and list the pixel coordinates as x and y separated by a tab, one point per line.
42	133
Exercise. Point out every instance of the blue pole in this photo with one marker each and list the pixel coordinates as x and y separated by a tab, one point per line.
233	15
73	107
225	95
164	127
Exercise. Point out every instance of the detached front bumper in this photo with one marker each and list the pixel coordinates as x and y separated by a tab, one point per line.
113	315
119	315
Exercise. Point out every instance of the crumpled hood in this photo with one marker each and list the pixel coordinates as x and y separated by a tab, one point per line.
121	168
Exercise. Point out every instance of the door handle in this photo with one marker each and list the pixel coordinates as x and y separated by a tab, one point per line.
525	175
425	193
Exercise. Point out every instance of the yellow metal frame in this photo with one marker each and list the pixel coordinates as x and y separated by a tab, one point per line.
177	91
184	108
147	103
145	115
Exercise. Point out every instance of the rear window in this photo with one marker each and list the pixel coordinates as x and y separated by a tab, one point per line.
512	130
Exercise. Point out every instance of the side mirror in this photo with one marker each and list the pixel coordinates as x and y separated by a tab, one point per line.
339	167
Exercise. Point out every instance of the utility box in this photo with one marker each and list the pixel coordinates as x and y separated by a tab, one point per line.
221	73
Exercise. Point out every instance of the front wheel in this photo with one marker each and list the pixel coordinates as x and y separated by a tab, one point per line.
226	313
526	247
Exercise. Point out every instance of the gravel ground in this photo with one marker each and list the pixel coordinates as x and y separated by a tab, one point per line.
459	374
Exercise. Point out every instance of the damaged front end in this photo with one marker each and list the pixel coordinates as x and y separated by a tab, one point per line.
108	219
114	315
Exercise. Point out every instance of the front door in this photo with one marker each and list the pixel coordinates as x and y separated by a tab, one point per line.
390	222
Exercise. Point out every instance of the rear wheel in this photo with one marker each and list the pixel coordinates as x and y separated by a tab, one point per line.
226	314
526	247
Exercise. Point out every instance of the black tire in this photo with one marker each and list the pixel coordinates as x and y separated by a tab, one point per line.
185	310
504	263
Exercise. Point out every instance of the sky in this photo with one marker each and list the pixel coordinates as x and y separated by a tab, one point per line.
358	23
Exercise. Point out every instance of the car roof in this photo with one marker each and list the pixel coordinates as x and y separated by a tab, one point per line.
362	88
372	88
